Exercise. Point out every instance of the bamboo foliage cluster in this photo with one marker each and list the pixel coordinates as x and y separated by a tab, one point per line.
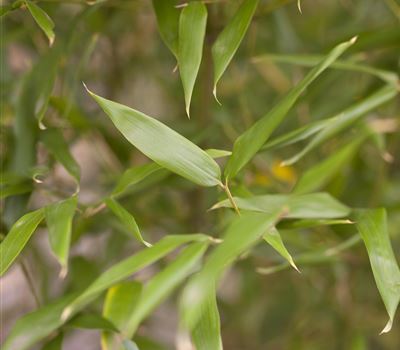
204	257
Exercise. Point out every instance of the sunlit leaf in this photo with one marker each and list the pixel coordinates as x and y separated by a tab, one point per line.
162	144
249	143
229	39
168	22
345	119
273	238
55	144
42	19
59	223
192	29
320	174
126	218
207	332
17	238
162	284
127	267
303	206
372	226
118	306
241	235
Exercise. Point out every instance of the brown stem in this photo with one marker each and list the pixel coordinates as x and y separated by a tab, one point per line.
30	282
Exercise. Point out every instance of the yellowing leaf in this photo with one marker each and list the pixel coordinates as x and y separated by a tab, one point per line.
192	29
250	142
229	39
162	144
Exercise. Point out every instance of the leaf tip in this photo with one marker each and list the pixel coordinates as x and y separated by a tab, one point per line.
353	40
215	95
63	272
66	313
387	328
299	6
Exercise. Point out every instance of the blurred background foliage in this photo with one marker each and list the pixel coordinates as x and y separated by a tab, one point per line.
115	48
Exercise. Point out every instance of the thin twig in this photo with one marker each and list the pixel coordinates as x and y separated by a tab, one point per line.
229	194
30	282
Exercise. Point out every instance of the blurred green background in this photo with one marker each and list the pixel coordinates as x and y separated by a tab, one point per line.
115	48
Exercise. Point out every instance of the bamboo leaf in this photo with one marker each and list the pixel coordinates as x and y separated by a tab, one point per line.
318	205
92	321
345	119
55	144
168	23
119	304
59	218
55	344
192	29
274	239
42	19
37	325
320	174
162	144
207	333
162	284
347	65
249	143
229	39
17	238
240	236
127	219
372	226
127	267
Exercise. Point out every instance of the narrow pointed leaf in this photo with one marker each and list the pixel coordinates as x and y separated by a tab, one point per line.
162	144
229	39
274	239
320	174
17	238
249	143
42	19
55	144
162	284
168	22
192	29
240	236
372	226
312	60
55	344
345	119
59	218
318	205
207	333
92	321
119	304
126	218
127	267
37	325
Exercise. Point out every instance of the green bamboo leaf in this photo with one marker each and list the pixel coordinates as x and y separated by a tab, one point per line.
59	218
126	218
229	39
312	60
345	119
249	143
55	344
119	304
37	325
162	144
240	236
320	174
192	29
318	205
42	19
127	267
15	189
17	238
92	321
372	226
207	333
162	284
134	175
307	223
274	239
55	144
218	153
168	23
